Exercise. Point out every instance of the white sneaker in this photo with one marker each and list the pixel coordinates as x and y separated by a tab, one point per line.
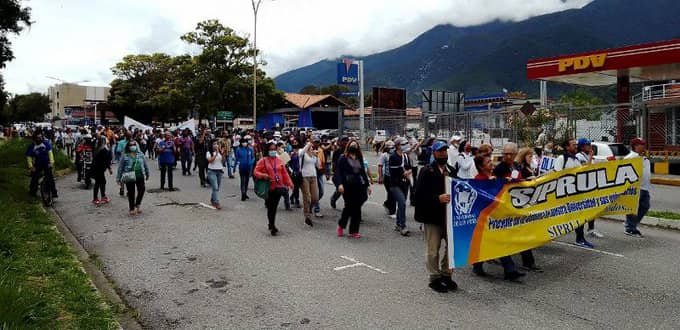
318	215
595	233
393	216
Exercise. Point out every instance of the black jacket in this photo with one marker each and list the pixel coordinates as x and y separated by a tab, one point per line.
430	184
347	177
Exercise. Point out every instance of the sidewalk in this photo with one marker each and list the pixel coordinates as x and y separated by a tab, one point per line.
649	221
669	180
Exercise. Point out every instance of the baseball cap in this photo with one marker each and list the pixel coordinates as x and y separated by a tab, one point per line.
455	138
439	145
400	140
638	141
583	142
389	144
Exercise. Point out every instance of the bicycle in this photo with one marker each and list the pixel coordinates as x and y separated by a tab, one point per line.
46	194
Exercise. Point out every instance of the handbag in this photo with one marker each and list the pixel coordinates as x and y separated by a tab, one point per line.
129	176
262	188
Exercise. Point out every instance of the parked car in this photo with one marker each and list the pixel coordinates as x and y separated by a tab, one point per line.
604	152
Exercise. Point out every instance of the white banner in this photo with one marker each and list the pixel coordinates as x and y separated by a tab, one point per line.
127	122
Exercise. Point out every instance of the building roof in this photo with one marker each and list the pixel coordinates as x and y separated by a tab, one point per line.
304	101
410	112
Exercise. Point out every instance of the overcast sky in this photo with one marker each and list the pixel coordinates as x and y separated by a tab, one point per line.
78	40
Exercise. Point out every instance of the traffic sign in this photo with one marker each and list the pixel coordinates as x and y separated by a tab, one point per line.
225	115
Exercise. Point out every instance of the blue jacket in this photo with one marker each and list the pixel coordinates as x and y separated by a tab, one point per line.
245	158
127	162
167	155
40	153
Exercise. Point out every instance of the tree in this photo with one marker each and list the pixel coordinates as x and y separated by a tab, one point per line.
27	107
145	88
224	74
580	98
13	19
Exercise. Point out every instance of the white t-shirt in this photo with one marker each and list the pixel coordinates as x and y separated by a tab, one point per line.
646	183
466	166
453	155
217	163
582	157
572	162
308	164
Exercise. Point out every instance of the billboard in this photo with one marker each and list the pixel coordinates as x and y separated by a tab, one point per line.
442	101
389	98
348	72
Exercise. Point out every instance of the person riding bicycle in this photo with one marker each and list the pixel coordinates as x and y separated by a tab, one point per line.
40	162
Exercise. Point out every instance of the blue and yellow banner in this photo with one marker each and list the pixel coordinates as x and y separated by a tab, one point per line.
488	219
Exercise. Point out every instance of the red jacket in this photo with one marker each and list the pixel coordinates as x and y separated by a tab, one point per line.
273	167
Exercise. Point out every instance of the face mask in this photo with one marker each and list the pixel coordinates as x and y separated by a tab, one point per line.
442	161
405	148
272	153
390	150
244	143
133	148
353	149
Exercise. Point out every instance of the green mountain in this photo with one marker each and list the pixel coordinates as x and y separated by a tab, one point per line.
487	58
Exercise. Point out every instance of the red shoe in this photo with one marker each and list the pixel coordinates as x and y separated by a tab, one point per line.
96	202
217	206
340	231
104	200
355	235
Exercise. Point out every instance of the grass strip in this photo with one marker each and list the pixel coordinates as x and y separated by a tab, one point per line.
42	284
670	215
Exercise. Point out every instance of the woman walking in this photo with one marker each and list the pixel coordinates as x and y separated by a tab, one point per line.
400	180
101	162
216	158
166	159
272	169
309	162
354	185
131	162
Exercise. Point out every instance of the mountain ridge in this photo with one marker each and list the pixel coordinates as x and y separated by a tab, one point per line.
489	57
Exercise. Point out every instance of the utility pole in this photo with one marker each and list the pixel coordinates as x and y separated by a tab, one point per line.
256	8
362	134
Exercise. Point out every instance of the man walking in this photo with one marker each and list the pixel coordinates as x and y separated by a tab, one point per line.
639	147
430	209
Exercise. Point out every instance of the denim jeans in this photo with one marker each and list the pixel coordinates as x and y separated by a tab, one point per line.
632	220
215	179
230	164
321	181
399	194
244	174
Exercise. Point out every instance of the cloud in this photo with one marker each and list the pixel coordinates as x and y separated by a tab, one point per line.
82	39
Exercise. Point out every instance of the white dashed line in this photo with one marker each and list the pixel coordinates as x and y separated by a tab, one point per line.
587	249
358	264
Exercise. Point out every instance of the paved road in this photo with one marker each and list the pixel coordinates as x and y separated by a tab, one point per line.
188	267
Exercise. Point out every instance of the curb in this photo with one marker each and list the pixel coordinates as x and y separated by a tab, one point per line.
667	182
649	221
121	311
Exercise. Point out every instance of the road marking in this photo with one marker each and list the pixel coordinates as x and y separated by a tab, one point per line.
594	250
208	206
358	264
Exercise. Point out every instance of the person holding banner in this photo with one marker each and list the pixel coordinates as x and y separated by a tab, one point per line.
431	201
486	172
585	156
632	220
565	161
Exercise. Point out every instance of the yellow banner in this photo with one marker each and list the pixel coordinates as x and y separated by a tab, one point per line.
514	217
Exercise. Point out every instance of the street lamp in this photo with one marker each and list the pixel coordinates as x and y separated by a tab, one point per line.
256	8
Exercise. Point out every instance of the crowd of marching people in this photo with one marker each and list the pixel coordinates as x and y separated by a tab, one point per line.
296	167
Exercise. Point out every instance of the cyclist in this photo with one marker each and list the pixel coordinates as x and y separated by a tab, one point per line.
40	159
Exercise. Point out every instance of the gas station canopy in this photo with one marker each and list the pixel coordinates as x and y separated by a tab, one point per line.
658	61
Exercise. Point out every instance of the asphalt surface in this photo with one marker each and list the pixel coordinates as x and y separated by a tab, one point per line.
190	267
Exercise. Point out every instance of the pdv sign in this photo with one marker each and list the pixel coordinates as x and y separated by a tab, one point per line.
348	72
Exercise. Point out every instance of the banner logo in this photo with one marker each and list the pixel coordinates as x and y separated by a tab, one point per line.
465	197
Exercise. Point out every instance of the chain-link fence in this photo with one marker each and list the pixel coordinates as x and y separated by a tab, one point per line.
603	123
